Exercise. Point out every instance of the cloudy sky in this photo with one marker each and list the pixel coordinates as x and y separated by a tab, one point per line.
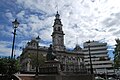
82	20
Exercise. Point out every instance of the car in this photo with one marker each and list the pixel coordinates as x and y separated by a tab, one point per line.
99	78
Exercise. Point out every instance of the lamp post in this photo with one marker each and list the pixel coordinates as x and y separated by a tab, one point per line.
15	25
91	67
37	64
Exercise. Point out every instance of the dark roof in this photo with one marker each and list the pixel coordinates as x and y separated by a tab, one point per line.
77	48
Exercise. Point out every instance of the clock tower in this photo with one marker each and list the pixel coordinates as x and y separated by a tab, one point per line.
58	34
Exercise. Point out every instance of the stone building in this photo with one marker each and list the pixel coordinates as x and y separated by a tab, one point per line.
70	60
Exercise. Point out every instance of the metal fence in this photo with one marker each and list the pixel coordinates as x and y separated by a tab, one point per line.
74	68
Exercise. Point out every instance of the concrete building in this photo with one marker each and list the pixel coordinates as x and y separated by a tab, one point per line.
73	60
70	60
100	61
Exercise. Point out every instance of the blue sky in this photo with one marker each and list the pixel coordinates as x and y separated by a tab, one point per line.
83	20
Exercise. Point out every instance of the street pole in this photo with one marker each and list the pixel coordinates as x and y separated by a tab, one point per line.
37	64
15	25
91	67
13	42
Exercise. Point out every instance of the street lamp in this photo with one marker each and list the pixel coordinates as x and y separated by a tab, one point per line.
91	67
37	64
15	25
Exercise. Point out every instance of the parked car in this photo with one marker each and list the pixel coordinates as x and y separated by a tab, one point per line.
99	78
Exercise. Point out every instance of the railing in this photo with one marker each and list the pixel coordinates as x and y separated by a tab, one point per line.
74	68
79	69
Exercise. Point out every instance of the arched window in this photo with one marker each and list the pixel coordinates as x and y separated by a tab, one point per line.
58	28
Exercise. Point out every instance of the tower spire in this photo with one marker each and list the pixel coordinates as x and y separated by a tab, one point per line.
57	19
57	15
58	34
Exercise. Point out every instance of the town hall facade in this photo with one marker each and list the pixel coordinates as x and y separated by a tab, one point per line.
70	60
76	60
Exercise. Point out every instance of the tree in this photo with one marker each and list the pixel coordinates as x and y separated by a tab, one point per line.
3	66
33	57
8	66
117	54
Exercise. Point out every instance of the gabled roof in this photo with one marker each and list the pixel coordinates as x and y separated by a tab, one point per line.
77	48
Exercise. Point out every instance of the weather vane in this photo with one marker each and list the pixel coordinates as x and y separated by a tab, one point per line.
56	6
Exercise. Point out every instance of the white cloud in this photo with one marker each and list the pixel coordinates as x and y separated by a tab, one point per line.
36	26
5	49
5	30
98	20
21	14
9	15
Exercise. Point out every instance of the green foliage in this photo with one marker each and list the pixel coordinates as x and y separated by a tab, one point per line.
33	57
117	54
8	66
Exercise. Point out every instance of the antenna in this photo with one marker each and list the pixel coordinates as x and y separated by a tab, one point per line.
76	39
